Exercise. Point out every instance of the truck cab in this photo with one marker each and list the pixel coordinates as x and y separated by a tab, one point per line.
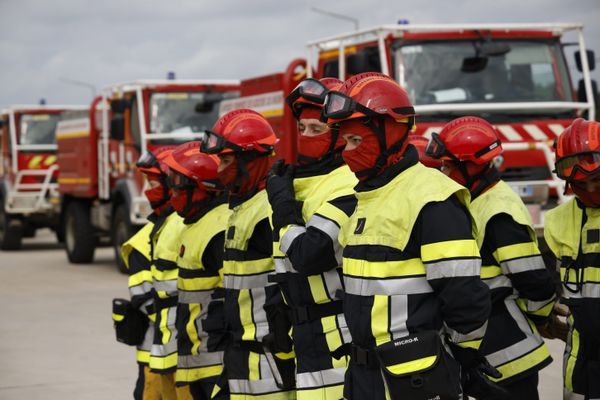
102	191
513	75
28	171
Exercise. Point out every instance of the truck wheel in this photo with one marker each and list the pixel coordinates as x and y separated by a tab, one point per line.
11	230
122	230
29	231
80	241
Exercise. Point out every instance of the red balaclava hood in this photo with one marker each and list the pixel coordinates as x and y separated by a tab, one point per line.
159	195
240	183
589	199
185	205
313	148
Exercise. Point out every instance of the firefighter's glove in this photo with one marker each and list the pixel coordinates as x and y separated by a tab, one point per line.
554	327
476	370
214	323
280	324
280	190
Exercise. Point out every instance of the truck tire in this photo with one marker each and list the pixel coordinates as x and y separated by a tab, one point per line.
11	230
121	231
80	240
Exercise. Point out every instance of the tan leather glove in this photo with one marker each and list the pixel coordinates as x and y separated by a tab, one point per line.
556	328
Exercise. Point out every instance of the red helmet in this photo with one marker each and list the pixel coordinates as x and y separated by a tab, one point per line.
420	142
191	168
370	94
311	92
465	139
152	162
578	150
240	131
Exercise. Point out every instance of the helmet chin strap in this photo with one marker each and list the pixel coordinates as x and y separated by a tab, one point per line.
479	182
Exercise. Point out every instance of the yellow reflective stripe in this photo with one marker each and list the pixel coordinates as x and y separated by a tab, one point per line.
35	161
544	311
380	320
140	277
253	366
449	249
74	181
50	160
412	366
383	269
523	363
572	356
199	284
590	274
190	375
328	392
285	356
166	275
245	305
334	339
471	344
317	288
333	213
492	271
163	363
516	251
190	326
142	356
250	267
117	317
166	332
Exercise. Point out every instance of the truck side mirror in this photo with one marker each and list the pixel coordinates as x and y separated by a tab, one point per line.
581	95
117	127
591	60
119	105
474	64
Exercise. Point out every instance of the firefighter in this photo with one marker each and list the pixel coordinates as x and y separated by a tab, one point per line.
198	198
572	231
256	368
137	255
521	287
163	355
420	143
410	263
310	201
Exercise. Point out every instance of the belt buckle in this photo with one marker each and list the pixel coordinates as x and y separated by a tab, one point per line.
301	314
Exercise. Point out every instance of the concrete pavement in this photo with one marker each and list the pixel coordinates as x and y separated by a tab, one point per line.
56	336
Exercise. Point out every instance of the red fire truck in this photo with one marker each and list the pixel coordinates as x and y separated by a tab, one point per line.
28	171
514	75
101	191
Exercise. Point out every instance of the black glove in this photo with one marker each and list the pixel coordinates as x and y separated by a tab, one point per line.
278	318
280	190
476	370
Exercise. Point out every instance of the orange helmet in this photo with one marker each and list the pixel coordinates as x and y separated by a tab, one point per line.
311	92
191	168
420	142
465	139
578	150
240	131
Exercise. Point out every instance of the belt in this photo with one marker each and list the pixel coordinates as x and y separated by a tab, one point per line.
302	314
358	355
250	345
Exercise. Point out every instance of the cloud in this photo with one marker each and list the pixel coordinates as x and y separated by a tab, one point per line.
116	40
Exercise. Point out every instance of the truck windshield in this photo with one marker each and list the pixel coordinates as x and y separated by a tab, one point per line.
184	112
444	72
38	128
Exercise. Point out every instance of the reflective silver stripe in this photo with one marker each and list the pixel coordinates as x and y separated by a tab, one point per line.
466	337
372	287
524	264
589	290
325	225
162	350
143	288
568	395
453	268
283	265
199	297
333	282
398	316
327	377
200	360
531	342
498	282
246	281
347	338
259	315
244	386
166	286
537	305
145	305
148	338
292	233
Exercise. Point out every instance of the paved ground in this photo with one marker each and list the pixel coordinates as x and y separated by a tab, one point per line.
56	335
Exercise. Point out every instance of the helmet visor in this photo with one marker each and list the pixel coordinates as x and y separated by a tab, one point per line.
178	181
148	163
309	89
214	143
339	106
586	163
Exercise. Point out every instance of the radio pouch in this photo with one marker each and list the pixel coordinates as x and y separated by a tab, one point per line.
130	323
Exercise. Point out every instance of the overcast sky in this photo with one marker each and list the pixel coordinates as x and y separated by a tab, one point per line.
45	42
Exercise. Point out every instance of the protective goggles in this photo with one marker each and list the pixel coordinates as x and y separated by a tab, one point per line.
214	143
147	161
588	163
436	148
178	181
339	106
309	89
